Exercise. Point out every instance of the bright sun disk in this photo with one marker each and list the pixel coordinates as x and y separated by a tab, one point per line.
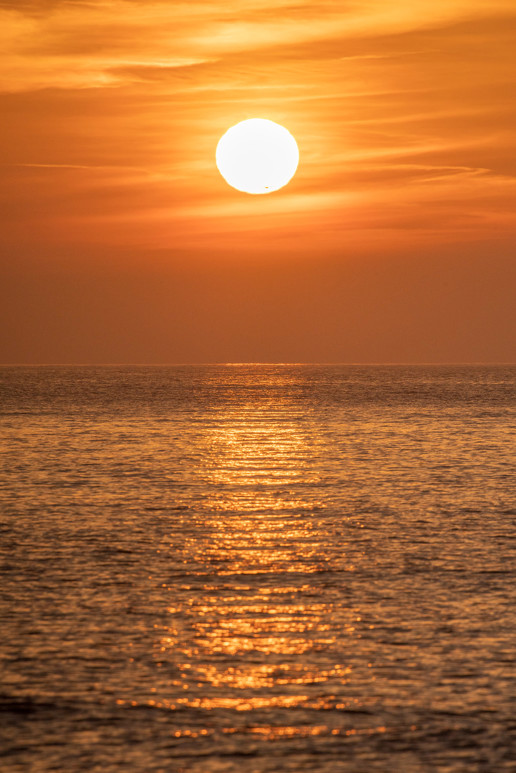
257	156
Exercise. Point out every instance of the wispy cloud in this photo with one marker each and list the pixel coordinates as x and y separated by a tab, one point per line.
63	44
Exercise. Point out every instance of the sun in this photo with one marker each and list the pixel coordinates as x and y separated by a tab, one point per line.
257	156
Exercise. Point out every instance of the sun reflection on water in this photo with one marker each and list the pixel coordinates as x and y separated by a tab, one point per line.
241	635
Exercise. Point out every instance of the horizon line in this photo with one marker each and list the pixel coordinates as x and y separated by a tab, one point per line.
236	363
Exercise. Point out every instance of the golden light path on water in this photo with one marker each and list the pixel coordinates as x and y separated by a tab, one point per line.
261	629
252	641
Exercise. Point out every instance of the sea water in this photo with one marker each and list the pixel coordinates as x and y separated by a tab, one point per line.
257	568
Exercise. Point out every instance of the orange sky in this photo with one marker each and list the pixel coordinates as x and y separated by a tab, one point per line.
394	242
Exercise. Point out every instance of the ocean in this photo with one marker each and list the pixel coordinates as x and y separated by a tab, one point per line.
258	568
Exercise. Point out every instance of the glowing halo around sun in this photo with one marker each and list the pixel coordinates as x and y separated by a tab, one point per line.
257	156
